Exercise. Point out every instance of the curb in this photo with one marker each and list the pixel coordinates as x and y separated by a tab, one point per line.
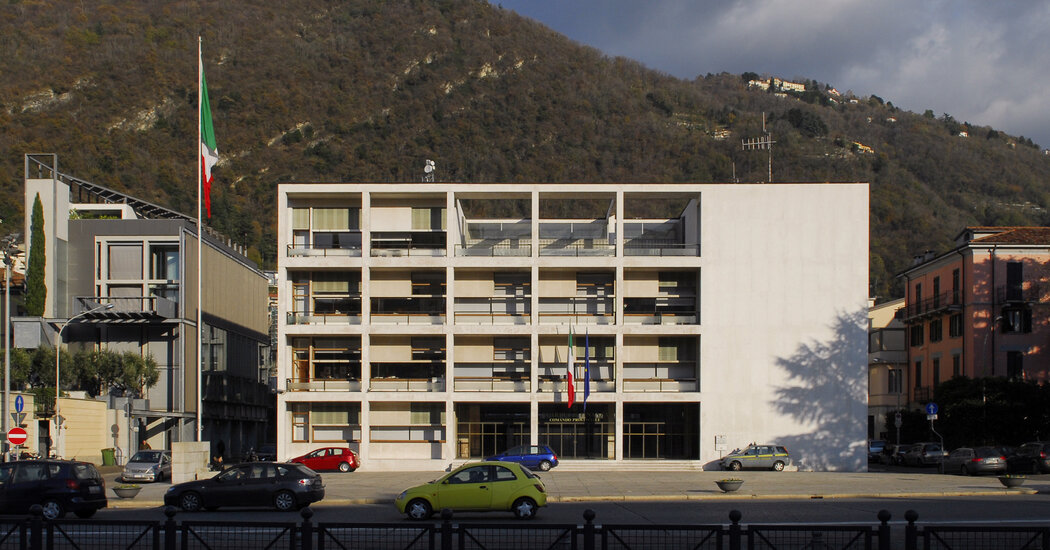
125	504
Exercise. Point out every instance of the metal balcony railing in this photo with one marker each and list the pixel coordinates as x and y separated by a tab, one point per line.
1030	293
295	250
495	248
323	384
124	307
939	303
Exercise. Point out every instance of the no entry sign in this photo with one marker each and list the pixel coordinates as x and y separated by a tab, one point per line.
16	436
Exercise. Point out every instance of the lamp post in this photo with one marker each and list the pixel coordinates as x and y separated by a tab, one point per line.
58	379
984	347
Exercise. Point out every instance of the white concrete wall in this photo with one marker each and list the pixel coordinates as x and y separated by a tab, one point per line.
783	295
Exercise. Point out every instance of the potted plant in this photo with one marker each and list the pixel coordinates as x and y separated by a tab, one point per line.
1011	480
730	484
125	490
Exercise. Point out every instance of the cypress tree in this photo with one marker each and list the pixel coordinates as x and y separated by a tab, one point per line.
36	290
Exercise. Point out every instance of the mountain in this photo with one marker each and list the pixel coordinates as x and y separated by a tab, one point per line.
357	90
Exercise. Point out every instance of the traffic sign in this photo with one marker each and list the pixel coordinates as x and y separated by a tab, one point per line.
931	408
17	436
19	403
18	418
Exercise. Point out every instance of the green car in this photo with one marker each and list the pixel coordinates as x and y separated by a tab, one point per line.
477	487
762	457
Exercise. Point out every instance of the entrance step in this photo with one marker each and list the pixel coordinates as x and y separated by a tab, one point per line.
583	465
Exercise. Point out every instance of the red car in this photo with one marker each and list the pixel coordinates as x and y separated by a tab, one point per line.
329	458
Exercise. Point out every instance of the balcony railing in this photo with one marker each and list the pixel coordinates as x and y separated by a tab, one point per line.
474	318
661	318
582	310
408	243
638	247
323	384
299	250
660	384
931	306
136	307
556	384
406	384
495	248
493	383
1006	294
576	247
421	318
322	319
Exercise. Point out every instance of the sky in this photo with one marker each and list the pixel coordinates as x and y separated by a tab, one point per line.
980	61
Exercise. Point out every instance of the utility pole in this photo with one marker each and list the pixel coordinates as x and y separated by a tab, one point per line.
765	142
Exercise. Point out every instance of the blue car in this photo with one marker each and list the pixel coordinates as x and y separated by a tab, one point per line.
533	457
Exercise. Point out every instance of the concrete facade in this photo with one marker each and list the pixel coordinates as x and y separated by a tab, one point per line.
740	317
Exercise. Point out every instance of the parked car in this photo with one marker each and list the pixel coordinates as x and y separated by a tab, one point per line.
477	487
533	457
1030	458
59	486
925	454
875	447
893	455
765	457
283	485
976	460
329	458
148	466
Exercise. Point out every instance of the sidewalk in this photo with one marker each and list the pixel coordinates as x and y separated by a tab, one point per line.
576	486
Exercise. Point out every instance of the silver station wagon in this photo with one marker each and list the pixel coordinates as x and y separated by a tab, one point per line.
762	457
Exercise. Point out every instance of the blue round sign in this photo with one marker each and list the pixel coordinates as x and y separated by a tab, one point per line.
19	403
931	408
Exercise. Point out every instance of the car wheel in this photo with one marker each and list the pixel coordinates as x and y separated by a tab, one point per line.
545	466
345	467
735	466
190	502
160	477
53	509
524	508
284	501
84	514
418	509
778	466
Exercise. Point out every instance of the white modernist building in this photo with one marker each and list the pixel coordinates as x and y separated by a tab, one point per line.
429	324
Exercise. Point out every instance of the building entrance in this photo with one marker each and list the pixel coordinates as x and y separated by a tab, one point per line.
486	429
578	434
663	430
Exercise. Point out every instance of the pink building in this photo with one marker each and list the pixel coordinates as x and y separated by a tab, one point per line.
980	309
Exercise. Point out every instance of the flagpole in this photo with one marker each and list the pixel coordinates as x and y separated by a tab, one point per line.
200	232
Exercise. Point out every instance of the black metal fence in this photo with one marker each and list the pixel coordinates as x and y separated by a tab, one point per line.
35	533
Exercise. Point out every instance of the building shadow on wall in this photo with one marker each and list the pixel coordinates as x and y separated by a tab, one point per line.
828	391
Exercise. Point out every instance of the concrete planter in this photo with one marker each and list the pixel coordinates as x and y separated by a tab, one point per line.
1011	481
729	485
127	491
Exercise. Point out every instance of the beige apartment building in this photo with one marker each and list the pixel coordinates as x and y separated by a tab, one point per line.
427	324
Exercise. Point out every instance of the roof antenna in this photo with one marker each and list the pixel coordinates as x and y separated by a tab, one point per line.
428	171
764	142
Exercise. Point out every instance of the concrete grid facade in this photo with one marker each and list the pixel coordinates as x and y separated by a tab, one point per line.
428	324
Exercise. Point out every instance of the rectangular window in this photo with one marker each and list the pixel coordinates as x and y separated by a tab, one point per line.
1014	281
936	330
918	293
936	372
300	218
125	261
428	348
916	335
510	349
164	262
1017	320
1014	364
956	365
936	292
918	374
431	217
955	286
895	382
300	423
955	325
331	219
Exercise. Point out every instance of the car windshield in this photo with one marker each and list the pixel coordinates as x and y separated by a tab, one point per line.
987	452
146	456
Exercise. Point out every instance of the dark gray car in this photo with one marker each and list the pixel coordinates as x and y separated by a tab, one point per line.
976	460
285	486
925	454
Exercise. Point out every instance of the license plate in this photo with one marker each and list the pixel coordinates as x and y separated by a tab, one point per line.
95	489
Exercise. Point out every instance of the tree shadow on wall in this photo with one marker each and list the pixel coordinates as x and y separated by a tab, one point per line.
828	391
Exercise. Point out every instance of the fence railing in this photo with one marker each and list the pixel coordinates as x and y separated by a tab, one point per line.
36	533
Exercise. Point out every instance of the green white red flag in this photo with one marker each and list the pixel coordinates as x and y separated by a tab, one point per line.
569	374
209	151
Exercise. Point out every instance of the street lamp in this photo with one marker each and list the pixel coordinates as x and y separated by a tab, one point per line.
984	347
58	379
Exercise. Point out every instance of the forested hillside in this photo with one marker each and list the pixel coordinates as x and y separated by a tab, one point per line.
359	90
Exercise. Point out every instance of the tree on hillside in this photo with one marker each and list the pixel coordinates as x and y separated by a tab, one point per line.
36	289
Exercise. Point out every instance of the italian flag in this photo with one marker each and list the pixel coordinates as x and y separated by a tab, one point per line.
209	151
569	368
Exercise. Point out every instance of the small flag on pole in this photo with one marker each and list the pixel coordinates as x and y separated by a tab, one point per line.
209	151
569	367
586	367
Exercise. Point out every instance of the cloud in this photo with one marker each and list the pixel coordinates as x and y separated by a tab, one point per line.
981	62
